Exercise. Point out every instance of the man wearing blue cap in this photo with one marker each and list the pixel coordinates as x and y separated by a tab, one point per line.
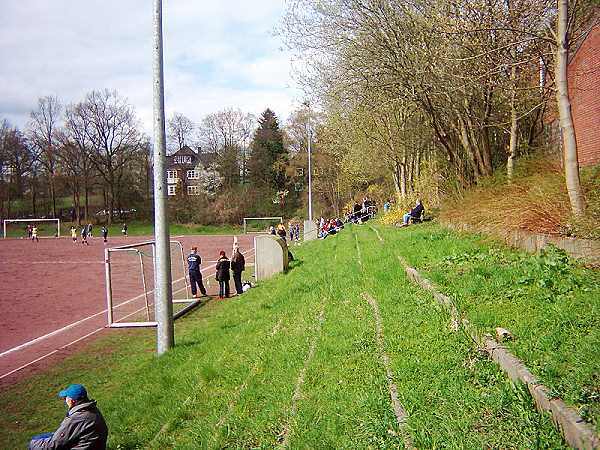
83	428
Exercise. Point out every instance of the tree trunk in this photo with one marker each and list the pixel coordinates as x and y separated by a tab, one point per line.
53	195
514	129
571	161
397	189
86	193
33	198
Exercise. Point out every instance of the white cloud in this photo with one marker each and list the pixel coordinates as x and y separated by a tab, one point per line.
217	55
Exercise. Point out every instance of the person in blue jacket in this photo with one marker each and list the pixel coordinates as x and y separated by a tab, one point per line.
194	262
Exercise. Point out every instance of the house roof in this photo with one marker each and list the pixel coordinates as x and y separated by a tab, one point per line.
207	158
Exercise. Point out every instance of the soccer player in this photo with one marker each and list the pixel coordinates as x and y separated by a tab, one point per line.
124	230
74	233
84	235
34	234
194	262
104	232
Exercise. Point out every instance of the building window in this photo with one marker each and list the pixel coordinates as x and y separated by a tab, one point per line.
193	190
185	159
172	176
193	174
171	190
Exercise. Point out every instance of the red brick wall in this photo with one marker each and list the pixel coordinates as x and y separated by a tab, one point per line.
584	90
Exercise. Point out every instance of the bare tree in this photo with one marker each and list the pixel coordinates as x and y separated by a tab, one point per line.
180	131
42	128
114	137
227	133
76	155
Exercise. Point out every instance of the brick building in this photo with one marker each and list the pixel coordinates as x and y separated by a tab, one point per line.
185	169
584	91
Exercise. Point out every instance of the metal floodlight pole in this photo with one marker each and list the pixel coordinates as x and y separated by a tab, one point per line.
163	293
310	215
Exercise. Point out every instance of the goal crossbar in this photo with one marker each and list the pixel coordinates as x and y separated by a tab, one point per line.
278	219
7	221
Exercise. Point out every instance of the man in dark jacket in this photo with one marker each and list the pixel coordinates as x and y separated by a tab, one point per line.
194	262
222	275
83	428
238	265
414	214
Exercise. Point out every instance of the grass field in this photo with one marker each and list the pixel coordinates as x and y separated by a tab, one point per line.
295	363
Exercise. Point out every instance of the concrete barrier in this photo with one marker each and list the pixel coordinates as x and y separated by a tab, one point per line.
310	230
270	256
585	250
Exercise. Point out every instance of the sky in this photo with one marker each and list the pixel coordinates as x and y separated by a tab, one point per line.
217	54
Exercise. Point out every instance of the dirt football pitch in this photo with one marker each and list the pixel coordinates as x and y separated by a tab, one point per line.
53	294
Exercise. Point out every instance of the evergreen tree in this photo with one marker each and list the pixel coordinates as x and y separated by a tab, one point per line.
268	160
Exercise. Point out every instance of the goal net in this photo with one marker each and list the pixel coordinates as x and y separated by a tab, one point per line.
130	271
260	224
21	228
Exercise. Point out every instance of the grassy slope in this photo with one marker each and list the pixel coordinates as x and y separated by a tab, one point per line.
550	304
231	380
536	200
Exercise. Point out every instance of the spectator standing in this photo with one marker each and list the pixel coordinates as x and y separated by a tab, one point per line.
297	232
194	262
238	265
82	428
222	275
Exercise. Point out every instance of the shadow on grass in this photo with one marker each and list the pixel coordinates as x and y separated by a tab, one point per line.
294	265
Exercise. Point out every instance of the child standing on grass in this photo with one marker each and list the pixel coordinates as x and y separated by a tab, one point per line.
222	275
74	233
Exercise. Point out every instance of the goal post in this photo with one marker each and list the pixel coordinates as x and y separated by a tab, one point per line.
130	284
8	224
260	224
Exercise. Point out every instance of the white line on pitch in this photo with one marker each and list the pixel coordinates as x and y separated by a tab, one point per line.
73	342
64	346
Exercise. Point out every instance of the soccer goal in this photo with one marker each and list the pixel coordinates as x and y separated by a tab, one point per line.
18	227
260	224
130	272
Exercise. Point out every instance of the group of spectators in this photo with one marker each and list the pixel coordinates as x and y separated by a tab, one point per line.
224	268
329	227
361	212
